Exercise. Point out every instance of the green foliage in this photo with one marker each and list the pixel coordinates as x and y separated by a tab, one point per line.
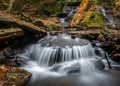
55	7
104	1
4	2
94	19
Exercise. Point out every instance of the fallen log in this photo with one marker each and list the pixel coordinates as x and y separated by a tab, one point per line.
10	33
22	24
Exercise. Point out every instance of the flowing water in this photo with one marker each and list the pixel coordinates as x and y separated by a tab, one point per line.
70	10
65	61
108	17
61	55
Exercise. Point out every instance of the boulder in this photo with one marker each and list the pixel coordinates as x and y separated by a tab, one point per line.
12	76
68	69
116	57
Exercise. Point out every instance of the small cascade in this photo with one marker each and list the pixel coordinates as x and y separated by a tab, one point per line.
70	11
63	55
108	17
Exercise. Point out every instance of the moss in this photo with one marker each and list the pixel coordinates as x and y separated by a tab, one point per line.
94	19
5	2
55	7
104	1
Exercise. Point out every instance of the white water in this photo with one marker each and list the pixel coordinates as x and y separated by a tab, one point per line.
70	11
73	56
108	17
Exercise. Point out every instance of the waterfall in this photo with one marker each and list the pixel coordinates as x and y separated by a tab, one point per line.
70	11
62	54
108	17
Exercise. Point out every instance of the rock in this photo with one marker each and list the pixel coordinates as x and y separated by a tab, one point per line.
2	57
62	15
117	41
49	25
100	65
87	36
12	76
8	53
66	68
108	47
101	38
116	57
20	59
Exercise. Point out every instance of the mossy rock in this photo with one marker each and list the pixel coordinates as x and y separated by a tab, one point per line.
94	19
12	76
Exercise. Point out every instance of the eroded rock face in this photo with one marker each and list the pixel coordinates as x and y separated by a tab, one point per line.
12	76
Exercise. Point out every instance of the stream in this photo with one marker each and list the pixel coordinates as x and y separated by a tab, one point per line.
61	60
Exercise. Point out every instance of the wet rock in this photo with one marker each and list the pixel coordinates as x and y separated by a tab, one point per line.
101	38
8	54
87	36
117	41
2	57
100	65
73	37
20	59
109	47
74	69
116	57
69	69
11	76
62	15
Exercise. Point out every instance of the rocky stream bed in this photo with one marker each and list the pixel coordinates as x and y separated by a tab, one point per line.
16	34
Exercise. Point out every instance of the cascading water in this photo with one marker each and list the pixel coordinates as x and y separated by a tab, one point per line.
62	55
108	17
70	12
